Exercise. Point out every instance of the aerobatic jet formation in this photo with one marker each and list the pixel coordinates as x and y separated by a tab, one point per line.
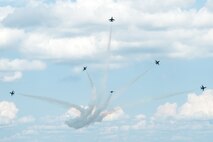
97	109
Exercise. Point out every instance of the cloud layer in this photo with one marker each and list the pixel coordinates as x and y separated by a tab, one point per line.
79	29
11	70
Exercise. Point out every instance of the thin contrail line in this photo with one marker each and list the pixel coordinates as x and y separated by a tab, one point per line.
51	100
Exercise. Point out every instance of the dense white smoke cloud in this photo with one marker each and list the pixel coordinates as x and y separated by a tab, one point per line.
79	116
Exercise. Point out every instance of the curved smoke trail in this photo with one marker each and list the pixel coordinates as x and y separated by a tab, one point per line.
54	101
93	112
125	87
107	61
170	95
148	100
94	93
98	107
97	116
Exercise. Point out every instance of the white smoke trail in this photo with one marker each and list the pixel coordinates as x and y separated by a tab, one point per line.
98	107
96	116
148	100
54	101
125	87
94	93
106	103
92	113
107	61
171	95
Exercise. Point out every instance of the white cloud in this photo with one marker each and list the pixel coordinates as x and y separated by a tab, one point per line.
167	110
9	77
4	11
196	107
33	131
11	70
141	122
115	114
209	4
73	113
10	37
176	32
170	116
8	111
164	5
60	48
21	65
137	122
69	30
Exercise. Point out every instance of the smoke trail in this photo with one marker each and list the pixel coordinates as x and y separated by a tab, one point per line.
110	37
94	93
91	114
171	95
106	103
124	88
96	116
148	100
85	118
107	61
54	101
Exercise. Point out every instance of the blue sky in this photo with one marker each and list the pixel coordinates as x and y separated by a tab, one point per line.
45	43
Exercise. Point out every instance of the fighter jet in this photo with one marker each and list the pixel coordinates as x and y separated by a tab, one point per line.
12	93
84	68
203	87
157	62
112	91
111	19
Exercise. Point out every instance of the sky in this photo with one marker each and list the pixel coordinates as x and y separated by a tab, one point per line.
44	45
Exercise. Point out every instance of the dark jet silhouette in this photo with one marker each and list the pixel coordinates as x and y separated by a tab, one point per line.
111	19
112	91
84	68
157	62
203	87
12	93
